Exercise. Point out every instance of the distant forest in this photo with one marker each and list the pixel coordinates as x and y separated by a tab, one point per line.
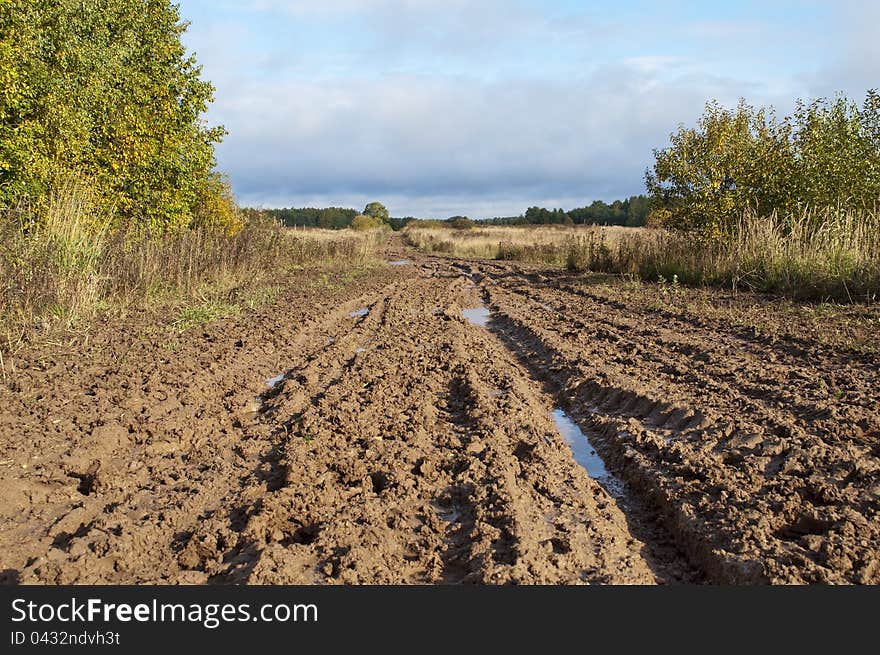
632	212
331	218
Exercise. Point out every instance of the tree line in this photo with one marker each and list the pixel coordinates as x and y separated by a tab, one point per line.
329	218
632	211
337	218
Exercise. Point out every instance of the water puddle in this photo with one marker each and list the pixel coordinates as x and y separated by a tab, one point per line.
586	455
360	312
477	316
272	382
399	262
450	516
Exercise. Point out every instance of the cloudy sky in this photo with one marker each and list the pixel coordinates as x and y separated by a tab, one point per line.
485	107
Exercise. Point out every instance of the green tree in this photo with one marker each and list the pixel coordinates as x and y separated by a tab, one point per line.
460	222
826	155
104	90
638	209
364	222
838	152
377	210
703	175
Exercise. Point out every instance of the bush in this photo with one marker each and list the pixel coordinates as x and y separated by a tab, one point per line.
215	207
363	222
827	155
460	223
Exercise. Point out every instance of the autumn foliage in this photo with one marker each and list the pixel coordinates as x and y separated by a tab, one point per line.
104	91
825	156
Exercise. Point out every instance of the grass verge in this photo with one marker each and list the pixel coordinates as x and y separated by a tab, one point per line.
67	266
817	255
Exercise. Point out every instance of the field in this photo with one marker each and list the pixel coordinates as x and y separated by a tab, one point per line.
356	427
549	245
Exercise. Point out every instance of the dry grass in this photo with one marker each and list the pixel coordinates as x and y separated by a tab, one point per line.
825	256
63	268
357	247
540	244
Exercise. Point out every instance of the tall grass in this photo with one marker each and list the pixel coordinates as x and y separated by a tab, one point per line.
64	262
546	245
51	265
816	255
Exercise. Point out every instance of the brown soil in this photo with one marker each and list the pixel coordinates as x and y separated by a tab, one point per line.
406	445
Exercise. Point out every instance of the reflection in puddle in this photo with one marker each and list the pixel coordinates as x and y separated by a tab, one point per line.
271	382
477	316
399	262
585	454
360	312
446	513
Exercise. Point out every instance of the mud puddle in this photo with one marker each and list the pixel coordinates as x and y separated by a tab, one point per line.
360	312
586	455
273	382
477	315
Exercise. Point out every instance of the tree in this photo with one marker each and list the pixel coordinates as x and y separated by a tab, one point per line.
639	208
104	90
377	210
826	155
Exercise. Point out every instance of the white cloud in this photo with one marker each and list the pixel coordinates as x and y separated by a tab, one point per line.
484	108
452	141
854	52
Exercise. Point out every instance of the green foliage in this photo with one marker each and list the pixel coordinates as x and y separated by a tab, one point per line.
377	210
826	155
398	224
104	89
215	207
632	212
460	223
330	218
364	222
541	216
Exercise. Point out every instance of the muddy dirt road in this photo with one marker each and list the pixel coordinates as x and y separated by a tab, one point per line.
402	443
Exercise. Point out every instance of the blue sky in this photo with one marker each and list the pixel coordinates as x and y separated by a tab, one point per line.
487	107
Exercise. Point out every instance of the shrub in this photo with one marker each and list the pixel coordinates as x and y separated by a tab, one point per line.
827	155
364	222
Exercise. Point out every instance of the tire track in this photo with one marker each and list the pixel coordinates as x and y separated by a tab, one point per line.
400	468
755	485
